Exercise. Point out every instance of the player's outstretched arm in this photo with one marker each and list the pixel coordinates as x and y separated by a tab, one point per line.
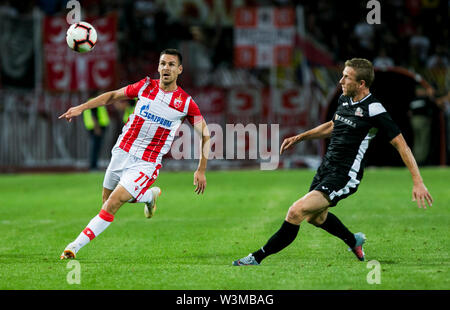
201	128
319	132
101	100
420	193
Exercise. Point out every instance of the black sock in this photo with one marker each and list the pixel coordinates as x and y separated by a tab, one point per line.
281	239
335	227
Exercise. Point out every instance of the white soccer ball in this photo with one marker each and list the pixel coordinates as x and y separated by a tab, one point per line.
81	37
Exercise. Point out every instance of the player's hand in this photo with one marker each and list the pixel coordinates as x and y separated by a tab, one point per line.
420	194
72	112
199	182
288	142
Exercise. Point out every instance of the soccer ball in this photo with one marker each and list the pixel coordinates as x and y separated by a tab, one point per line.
81	37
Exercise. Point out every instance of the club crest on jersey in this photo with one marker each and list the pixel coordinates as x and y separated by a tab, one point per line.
359	112
178	102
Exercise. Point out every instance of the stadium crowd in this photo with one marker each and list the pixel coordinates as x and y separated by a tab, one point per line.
412	34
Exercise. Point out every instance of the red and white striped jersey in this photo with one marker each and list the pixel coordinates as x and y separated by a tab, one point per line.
151	128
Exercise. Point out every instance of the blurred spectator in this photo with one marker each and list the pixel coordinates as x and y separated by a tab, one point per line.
189	12
443	102
125	109
313	29
421	109
6	9
365	35
383	60
419	45
95	120
439	59
17	58
51	7
197	57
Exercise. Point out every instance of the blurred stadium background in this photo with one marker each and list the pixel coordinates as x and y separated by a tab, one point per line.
260	62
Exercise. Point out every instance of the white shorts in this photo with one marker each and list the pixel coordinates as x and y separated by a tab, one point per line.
134	174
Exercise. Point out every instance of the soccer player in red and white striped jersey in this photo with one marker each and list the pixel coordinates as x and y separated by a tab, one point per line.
147	136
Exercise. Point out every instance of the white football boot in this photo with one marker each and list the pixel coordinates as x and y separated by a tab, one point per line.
69	252
150	208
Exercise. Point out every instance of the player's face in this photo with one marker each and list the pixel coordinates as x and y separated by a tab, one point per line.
169	68
350	86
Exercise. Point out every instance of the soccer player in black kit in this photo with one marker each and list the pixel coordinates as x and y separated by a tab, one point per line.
357	120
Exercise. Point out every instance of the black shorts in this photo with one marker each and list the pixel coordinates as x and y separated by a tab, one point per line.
334	184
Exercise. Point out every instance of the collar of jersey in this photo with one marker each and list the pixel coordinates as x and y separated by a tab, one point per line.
351	101
168	92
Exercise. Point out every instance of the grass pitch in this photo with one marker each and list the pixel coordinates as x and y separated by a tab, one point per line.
192	240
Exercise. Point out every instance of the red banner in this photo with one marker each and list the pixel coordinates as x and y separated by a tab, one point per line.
263	36
66	70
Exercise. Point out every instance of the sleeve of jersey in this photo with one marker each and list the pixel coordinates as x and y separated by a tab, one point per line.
382	120
193	114
132	90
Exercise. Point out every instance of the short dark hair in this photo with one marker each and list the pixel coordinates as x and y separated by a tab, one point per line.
364	70
172	51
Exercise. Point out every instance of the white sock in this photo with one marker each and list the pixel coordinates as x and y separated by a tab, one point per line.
95	227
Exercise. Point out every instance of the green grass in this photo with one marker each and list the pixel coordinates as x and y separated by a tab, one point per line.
192	240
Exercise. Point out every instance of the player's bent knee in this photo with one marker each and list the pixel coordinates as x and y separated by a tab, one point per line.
314	221
318	218
296	213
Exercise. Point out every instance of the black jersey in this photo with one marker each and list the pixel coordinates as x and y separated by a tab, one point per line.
355	124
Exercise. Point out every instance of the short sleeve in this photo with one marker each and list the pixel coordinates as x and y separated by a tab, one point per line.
193	114
132	90
381	119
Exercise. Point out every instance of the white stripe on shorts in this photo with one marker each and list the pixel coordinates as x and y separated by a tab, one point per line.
356	167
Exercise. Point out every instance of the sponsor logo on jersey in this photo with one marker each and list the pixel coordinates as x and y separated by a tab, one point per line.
345	103
344	120
154	118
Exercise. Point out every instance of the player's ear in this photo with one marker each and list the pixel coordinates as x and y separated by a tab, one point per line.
180	69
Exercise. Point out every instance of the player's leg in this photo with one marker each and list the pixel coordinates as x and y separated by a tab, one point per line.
100	222
113	174
306	207
331	223
138	181
118	197
335	187
105	194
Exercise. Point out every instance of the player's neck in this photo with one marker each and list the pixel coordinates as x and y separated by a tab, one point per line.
361	95
168	87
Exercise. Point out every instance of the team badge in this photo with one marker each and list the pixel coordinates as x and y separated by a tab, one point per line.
178	102
359	112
